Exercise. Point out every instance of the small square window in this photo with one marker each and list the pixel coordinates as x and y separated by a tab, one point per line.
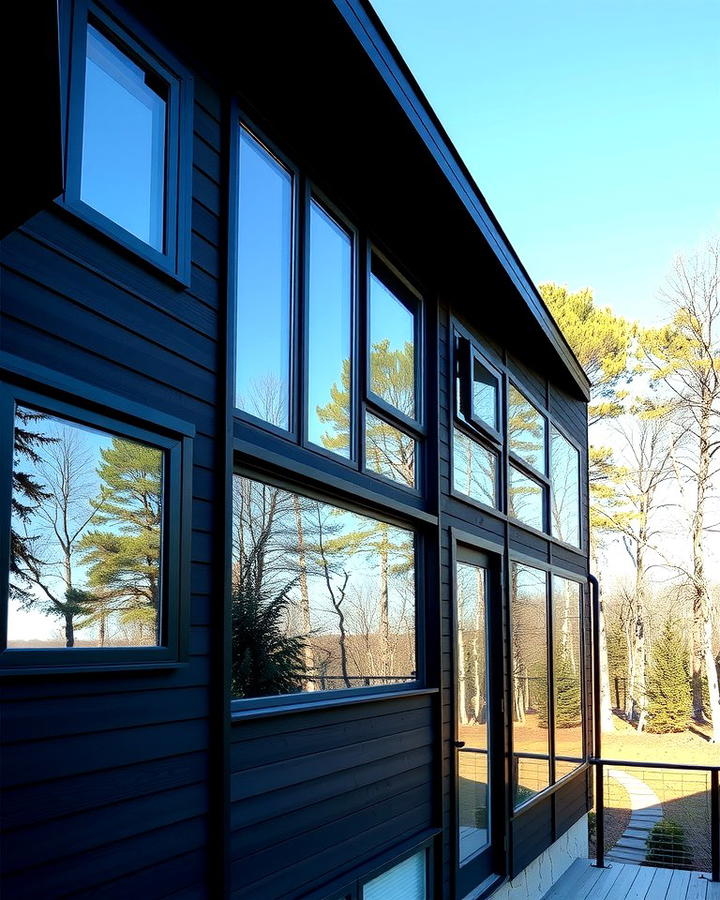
526	431
484	398
122	173
128	133
564	488
475	469
389	451
405	881
95	524
392	359
526	499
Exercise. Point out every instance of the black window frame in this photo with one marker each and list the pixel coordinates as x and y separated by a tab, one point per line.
549	571
142	48
64	397
517	462
251	707
466	347
313	195
297	244
465	352
378	265
368	258
582	537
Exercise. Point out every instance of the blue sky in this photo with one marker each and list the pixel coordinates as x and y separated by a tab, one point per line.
592	128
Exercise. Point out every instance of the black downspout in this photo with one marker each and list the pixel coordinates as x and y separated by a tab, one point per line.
597	735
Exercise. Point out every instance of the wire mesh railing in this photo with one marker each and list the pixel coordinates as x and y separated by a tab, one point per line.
657	814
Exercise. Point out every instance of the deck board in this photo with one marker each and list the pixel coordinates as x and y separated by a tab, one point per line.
625	881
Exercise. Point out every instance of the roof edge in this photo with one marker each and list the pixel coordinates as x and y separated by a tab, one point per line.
387	59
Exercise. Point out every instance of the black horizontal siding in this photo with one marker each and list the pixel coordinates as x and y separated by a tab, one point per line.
326	778
105	776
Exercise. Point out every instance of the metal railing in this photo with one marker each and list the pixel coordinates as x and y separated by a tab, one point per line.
671	824
673	821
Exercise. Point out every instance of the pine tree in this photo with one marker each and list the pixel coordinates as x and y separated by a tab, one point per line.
27	493
124	559
669	693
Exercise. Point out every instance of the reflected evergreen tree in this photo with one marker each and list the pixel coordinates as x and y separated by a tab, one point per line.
27	494
124	559
265	660
62	512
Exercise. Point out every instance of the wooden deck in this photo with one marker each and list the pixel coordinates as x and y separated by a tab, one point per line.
624	881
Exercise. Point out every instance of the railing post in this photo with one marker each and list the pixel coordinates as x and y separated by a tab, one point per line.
599	816
715	823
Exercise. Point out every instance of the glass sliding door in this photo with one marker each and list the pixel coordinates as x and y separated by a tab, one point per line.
479	794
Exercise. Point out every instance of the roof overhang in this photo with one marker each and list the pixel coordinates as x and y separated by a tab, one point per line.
372	35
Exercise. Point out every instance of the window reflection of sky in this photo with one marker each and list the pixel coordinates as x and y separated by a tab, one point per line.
264	284
329	330
123	155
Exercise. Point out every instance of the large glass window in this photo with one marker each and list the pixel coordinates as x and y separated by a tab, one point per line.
532	638
526	430
322	598
564	488
86	537
472	711
567	678
264	284
531	746
475	469
330	294
124	162
392	349
526	499
299	364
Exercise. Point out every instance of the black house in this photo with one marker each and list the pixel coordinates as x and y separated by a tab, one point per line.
295	491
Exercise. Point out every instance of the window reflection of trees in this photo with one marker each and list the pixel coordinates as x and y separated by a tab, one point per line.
526	430
474	469
86	536
567	675
347	585
565	488
529	681
388	450
471	649
525	499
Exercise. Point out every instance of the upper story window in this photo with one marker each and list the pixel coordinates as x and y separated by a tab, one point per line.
526	430
392	349
477	439
127	140
541	485
329	313
485	394
122	172
264	284
329	357
564	488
